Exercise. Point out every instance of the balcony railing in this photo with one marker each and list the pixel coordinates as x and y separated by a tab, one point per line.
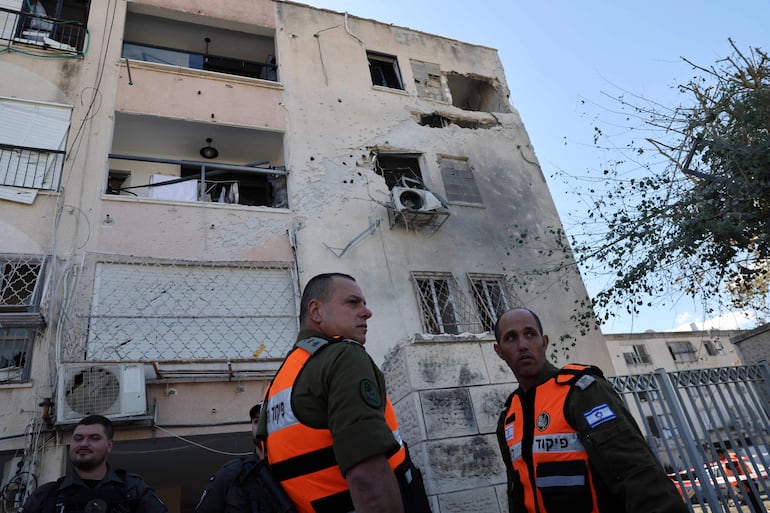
193	60
250	185
35	29
32	168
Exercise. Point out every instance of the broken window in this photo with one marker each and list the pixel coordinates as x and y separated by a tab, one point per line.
384	70
637	356
21	284
437	298
490	296
459	183
682	351
32	143
398	168
242	187
713	348
427	79
15	354
470	93
190	45
57	24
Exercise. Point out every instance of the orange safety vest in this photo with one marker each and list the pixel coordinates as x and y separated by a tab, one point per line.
558	473
302	458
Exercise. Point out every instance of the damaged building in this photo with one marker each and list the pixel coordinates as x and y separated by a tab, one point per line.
172	176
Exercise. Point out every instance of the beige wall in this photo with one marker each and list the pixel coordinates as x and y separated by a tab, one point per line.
660	357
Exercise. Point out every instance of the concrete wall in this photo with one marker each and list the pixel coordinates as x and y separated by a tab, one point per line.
338	121
754	345
448	394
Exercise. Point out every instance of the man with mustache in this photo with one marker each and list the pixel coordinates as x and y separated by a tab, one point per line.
331	435
568	441
92	486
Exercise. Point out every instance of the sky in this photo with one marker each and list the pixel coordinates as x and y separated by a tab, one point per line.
562	58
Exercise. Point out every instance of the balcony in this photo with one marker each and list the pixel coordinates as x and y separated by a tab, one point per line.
174	160
173	42
50	24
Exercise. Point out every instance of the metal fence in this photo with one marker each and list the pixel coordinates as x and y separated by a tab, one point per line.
179	311
689	416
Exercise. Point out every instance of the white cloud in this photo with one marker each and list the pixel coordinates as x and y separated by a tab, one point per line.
728	321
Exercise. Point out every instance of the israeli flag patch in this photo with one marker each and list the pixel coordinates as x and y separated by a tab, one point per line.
599	415
509	433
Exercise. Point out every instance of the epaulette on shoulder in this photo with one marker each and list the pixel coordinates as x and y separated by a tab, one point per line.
581	376
312	344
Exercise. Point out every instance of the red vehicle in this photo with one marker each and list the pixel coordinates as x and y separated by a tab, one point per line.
688	483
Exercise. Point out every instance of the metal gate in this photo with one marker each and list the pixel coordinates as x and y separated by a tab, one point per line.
689	417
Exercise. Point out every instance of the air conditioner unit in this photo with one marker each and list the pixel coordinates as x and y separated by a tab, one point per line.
113	390
414	200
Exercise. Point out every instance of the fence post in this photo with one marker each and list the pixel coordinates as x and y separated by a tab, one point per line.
686	437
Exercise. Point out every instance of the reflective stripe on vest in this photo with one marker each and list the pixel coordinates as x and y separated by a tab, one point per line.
559	459
302	458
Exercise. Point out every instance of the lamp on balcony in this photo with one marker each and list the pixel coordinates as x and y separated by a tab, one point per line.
208	151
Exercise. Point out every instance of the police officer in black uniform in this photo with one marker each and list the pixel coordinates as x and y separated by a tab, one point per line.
236	486
92	486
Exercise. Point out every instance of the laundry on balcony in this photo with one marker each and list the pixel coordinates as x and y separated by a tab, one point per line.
222	191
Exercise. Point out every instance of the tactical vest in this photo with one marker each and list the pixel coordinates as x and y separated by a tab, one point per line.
302	458
545	452
114	498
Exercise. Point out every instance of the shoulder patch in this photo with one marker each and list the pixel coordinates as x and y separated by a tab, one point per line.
370	394
585	381
599	415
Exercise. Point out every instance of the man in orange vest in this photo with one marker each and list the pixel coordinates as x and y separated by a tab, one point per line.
734	467
331	435
568	441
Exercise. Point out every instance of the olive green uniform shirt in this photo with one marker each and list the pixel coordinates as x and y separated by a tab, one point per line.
341	389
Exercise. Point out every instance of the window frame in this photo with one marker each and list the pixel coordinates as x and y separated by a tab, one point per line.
33	137
441	302
479	284
682	347
379	64
459	181
22	282
638	355
22	342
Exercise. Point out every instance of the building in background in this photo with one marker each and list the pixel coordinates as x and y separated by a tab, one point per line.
171	174
753	345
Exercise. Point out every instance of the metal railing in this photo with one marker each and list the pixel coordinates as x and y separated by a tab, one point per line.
33	168
212	177
35	29
689	415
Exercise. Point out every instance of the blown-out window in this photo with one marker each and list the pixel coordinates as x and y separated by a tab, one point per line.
384	70
21	285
